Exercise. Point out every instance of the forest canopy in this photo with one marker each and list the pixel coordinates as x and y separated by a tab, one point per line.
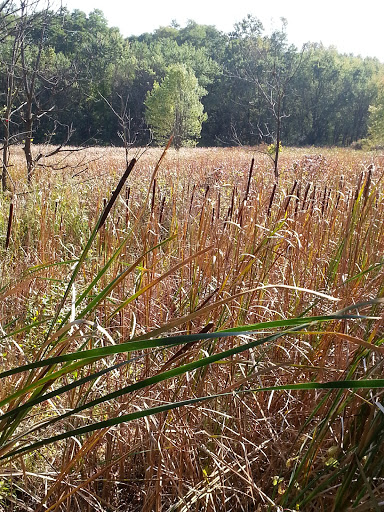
71	77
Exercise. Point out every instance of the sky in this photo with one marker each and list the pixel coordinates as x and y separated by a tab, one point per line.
353	27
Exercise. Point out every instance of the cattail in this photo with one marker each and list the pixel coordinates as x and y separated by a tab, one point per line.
341	185
358	186
288	199
232	205
306	195
127	195
55	211
10	219
271	200
313	198
249	180
116	193
368	183
323	201
297	198
105	202
348	197
328	197
243	202
161	210
153	196
192	196
338	199
103	234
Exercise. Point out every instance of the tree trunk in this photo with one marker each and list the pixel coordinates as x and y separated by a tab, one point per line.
28	147
278	134
4	172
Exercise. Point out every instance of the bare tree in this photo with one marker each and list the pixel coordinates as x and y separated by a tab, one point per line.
125	132
11	42
270	65
30	73
32	82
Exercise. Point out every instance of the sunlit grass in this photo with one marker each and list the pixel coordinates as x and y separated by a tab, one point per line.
203	244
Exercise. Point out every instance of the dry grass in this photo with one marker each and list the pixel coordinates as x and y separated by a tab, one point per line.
321	229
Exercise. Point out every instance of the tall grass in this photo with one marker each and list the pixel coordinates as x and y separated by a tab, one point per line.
199	339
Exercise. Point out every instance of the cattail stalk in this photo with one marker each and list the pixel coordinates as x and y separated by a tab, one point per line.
10	219
271	199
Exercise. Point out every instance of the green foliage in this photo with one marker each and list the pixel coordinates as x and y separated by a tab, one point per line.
376	120
174	107
271	149
85	62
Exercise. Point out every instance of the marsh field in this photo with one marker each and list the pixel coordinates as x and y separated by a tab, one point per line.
214	342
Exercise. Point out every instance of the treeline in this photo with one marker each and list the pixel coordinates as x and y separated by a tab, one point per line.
66	76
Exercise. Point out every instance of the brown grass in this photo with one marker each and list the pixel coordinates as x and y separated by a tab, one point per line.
321	229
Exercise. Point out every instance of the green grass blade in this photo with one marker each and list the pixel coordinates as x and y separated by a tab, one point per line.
354	384
131	346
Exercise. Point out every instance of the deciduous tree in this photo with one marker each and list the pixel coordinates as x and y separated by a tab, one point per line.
173	107
376	120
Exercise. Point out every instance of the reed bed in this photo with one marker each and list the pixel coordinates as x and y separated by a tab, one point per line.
144	303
